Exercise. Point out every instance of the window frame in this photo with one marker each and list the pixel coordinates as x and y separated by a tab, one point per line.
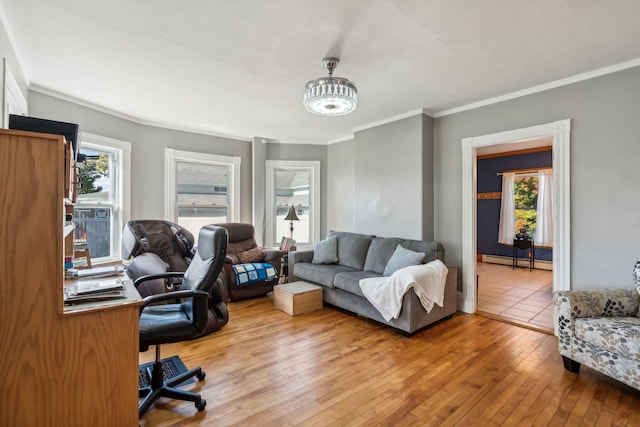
122	184
173	156
313	166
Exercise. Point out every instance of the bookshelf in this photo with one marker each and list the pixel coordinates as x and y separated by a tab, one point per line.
59	367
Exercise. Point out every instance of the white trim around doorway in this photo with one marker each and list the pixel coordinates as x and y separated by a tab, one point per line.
560	132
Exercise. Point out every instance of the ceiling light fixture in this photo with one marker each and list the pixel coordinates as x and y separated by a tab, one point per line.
330	96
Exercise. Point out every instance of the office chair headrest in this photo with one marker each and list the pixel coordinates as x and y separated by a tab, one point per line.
212	242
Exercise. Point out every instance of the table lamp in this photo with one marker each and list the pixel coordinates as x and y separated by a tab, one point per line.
291	216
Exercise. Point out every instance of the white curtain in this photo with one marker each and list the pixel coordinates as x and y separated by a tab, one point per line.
544	219
507	229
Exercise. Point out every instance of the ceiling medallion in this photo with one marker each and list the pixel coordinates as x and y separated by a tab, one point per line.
330	96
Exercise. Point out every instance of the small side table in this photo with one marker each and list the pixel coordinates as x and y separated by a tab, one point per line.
297	297
524	244
285	267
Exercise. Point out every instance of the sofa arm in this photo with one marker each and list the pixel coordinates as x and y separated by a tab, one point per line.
295	257
272	255
570	305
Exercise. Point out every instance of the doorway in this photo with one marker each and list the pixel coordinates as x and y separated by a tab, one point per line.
559	132
515	285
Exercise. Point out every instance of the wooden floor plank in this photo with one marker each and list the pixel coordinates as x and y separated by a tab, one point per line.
266	368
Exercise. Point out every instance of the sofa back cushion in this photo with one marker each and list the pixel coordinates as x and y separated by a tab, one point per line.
382	248
352	248
432	250
401	258
326	251
380	253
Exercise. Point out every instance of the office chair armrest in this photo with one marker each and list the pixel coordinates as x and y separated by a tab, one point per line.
166	275
187	293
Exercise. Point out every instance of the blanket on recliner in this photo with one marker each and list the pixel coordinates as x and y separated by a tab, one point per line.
254	272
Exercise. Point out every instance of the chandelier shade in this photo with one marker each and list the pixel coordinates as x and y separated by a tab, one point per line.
330	96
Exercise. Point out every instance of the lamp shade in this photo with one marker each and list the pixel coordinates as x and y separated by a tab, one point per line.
291	215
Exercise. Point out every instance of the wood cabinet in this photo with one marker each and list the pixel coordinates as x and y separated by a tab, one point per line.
57	367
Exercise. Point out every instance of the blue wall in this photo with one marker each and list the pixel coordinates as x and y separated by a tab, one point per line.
489	210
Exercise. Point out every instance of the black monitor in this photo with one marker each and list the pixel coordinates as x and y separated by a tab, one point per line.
70	131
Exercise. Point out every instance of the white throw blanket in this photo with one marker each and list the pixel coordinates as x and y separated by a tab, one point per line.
386	293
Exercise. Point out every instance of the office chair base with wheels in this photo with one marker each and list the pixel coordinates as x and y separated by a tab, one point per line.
160	387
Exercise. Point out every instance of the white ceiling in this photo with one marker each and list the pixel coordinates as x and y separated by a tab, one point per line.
238	68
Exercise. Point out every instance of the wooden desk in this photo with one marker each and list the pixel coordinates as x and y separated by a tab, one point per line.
61	366
132	296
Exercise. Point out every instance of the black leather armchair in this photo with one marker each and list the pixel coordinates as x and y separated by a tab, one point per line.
185	320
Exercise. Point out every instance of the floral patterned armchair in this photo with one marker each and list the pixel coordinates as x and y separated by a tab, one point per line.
601	329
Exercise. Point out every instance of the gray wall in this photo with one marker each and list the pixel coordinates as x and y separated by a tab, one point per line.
427	178
147	151
258	155
341	186
388	179
605	177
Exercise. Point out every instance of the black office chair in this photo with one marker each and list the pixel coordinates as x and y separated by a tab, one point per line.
167	323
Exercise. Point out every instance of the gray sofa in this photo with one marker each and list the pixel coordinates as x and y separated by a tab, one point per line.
361	256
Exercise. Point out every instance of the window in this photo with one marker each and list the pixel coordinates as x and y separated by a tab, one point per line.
298	184
525	199
527	202
201	189
102	205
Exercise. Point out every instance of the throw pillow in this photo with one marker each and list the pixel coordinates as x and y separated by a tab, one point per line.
252	255
326	251
401	258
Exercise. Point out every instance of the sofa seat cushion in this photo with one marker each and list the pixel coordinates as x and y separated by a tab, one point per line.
350	280
619	335
322	274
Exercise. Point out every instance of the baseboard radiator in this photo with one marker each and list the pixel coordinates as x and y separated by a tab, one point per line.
540	264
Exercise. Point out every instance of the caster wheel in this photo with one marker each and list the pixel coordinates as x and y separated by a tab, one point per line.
200	405
201	375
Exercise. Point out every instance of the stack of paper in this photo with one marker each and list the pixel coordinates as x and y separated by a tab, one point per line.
94	290
110	270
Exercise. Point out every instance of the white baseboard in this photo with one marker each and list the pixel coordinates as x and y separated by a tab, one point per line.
540	264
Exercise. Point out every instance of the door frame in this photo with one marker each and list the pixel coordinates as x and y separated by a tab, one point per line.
560	132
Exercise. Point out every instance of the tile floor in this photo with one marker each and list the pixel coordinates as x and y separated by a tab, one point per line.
517	296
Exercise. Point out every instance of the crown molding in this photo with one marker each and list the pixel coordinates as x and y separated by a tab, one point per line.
541	88
134	119
392	119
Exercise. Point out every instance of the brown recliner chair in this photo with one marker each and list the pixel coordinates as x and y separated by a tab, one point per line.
242	248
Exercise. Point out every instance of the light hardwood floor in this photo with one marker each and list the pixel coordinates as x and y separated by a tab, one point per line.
519	296
330	368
